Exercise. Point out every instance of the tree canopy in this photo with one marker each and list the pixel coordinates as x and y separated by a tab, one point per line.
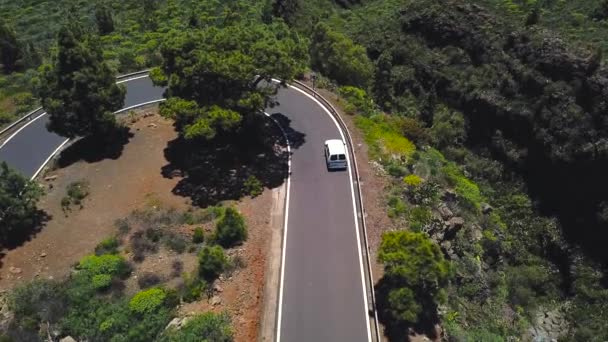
338	57
417	271
10	49
18	197
103	18
77	88
217	77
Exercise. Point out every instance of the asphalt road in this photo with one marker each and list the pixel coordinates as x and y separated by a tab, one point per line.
323	295
323	298
27	150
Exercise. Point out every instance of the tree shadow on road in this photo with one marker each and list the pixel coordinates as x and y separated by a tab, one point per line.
93	149
400	331
216	170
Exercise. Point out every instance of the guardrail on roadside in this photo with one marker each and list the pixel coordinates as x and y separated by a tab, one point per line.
26	117
349	141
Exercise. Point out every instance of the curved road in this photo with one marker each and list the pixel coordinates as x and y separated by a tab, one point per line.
323	295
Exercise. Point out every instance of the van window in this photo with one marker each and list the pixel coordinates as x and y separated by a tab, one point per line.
341	157
333	157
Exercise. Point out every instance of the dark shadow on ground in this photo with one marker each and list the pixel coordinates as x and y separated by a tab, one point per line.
399	331
26	231
216	170
94	149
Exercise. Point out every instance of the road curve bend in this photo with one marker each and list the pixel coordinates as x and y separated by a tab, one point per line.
322	291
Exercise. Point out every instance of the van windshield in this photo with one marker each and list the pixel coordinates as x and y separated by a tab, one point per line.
341	157
333	157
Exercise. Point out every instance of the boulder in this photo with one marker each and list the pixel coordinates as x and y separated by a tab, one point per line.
14	270
215	300
486	208
175	323
455	223
445	212
68	339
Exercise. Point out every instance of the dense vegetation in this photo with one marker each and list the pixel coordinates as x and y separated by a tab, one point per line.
488	116
93	304
18	198
514	114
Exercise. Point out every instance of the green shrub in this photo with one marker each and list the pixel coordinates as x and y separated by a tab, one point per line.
37	301
110	264
338	57
416	274
253	187
397	207
175	242
419	217
412	180
101	281
448	127
198	236
203	216
384	138
107	246
230	229
463	186
358	101
396	170
205	327
193	288
78	191
147	301
211	262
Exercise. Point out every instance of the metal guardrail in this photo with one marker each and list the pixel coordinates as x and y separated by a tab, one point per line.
26	117
342	124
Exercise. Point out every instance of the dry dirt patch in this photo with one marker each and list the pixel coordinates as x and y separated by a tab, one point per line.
117	187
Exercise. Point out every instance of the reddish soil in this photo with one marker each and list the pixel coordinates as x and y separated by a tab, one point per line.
117	188
242	292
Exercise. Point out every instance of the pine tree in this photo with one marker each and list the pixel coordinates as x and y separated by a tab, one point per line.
103	17
10	48
18	197
78	89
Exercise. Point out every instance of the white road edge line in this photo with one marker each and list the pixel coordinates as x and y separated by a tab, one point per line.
49	158
352	191
21	128
286	219
132	79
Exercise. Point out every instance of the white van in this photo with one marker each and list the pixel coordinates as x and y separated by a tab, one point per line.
335	154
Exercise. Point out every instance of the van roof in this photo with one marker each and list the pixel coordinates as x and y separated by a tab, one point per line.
335	146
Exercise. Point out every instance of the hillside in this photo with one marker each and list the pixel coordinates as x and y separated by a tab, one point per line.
520	108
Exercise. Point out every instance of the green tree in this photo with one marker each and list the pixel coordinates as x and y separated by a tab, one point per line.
338	57
205	327
10	48
230	229
18	198
286	9
416	273
103	18
211	262
78	89
448	127
215	76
